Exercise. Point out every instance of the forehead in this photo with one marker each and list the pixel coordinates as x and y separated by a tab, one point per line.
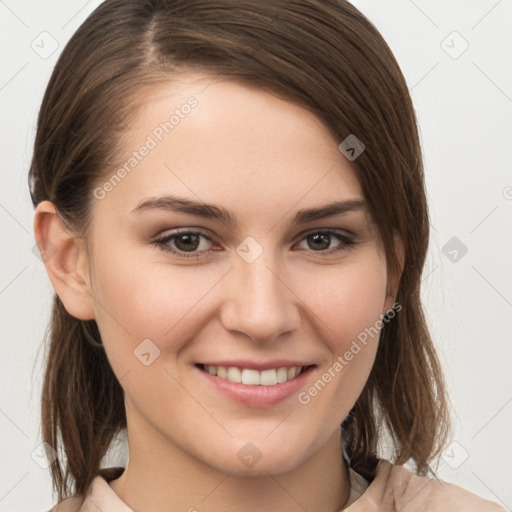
222	141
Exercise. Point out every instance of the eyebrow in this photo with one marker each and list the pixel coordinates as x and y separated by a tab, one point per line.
211	211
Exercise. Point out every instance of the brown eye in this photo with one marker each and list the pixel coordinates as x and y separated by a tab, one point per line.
320	241
187	242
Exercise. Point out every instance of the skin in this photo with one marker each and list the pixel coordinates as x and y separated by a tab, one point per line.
263	159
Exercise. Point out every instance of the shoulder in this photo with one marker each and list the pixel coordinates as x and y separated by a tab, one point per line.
73	504
395	488
99	492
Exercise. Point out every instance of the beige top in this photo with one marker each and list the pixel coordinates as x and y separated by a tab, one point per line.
394	489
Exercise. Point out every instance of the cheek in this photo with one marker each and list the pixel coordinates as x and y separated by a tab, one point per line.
349	305
137	298
349	299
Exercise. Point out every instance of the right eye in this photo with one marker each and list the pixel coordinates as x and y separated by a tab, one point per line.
184	243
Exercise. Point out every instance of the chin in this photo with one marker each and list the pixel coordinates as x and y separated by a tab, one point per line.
259	457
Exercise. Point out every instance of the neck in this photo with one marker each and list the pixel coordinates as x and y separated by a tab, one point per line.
161	477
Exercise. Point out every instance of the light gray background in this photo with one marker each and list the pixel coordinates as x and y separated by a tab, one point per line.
464	107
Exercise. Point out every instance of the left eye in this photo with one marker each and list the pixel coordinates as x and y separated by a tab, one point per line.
322	240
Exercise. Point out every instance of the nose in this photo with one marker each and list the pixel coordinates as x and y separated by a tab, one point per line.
260	303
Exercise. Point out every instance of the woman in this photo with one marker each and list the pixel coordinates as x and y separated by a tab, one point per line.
231	208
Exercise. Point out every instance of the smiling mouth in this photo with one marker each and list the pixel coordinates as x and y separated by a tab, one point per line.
252	377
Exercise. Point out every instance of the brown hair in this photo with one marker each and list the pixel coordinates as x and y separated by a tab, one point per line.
322	54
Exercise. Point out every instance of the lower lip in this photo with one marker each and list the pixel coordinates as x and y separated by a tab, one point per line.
257	396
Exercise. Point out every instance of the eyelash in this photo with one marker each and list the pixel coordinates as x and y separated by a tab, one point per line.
162	243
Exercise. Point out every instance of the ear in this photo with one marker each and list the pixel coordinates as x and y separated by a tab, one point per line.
65	258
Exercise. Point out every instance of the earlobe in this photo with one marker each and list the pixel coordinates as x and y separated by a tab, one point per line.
65	260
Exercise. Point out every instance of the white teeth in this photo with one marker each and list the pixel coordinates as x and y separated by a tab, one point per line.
282	375
234	374
268	377
292	372
252	377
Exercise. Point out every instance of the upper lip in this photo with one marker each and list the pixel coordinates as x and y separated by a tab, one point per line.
260	366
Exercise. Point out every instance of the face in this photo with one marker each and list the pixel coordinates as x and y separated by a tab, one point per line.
192	300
